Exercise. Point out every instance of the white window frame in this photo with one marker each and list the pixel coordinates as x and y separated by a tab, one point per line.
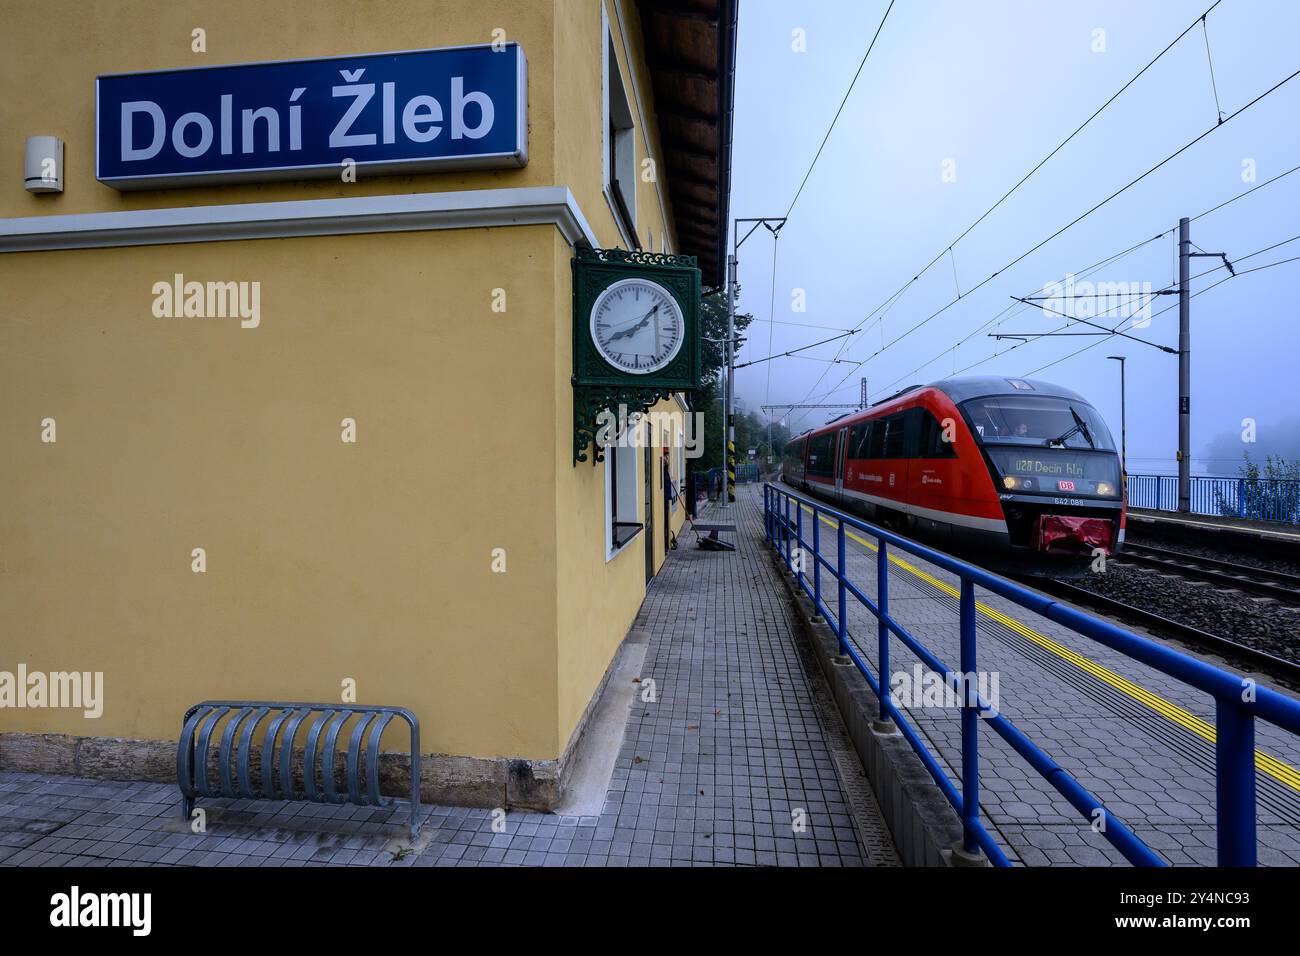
681	462
623	108
629	493
675	466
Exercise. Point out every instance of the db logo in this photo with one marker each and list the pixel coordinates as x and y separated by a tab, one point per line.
1065	485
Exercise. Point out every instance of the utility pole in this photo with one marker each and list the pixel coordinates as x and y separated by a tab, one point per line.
1123	426
862	402
729	416
773	225
1184	366
1185	257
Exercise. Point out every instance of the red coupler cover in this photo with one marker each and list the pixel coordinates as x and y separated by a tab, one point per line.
1068	533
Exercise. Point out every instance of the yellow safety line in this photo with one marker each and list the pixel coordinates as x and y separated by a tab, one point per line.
1266	763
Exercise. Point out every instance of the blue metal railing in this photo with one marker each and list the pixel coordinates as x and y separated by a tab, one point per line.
1259	499
1238	701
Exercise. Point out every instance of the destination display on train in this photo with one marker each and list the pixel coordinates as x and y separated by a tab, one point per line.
385	113
1056	470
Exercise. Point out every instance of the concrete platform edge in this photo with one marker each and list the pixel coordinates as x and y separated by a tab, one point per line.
924	825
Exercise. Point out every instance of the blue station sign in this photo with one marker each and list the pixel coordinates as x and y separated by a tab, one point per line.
387	113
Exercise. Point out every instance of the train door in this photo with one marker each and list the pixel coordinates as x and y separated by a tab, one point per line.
934	473
888	439
841	449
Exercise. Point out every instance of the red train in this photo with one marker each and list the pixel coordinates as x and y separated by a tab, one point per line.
1019	473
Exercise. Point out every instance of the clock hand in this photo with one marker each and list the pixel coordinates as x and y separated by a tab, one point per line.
641	318
640	324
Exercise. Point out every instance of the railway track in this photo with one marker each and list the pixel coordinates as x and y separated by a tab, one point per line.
1276	584
1224	574
1261	660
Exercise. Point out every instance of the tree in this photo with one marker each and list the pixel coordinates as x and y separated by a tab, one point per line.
713	328
1270	493
713	355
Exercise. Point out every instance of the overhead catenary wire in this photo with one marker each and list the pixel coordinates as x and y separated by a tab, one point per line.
1089	212
1241	195
1214	285
830	129
1115	258
793	351
801	325
1214	86
1020	305
1108	336
1191	26
1081	273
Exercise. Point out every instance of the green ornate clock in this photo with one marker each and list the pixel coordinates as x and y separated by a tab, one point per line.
636	335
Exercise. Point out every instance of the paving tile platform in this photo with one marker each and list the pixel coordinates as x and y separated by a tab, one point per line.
737	760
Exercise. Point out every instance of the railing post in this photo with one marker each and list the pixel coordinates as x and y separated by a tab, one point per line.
776	520
786	531
884	724
841	625
970	760
798	537
778	523
1234	783
817	564
1241	497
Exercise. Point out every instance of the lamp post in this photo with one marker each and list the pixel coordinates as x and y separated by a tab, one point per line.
1123	426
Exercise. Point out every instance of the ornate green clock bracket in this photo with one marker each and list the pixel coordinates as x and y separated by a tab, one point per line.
590	401
600	386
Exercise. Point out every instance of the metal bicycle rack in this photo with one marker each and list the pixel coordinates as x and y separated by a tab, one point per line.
202	721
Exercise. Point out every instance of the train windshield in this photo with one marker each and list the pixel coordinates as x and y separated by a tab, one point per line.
1038	420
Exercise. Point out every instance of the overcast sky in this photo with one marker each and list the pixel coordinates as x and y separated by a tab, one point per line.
984	90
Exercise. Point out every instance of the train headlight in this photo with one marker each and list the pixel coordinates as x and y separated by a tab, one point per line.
1011	482
1105	488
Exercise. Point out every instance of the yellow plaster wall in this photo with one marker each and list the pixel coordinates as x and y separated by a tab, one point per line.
325	560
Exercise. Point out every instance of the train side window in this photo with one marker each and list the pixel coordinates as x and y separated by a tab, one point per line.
794	455
930	443
876	439
860	441
821	454
895	426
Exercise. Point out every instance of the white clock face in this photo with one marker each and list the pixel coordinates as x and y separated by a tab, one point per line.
637	326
